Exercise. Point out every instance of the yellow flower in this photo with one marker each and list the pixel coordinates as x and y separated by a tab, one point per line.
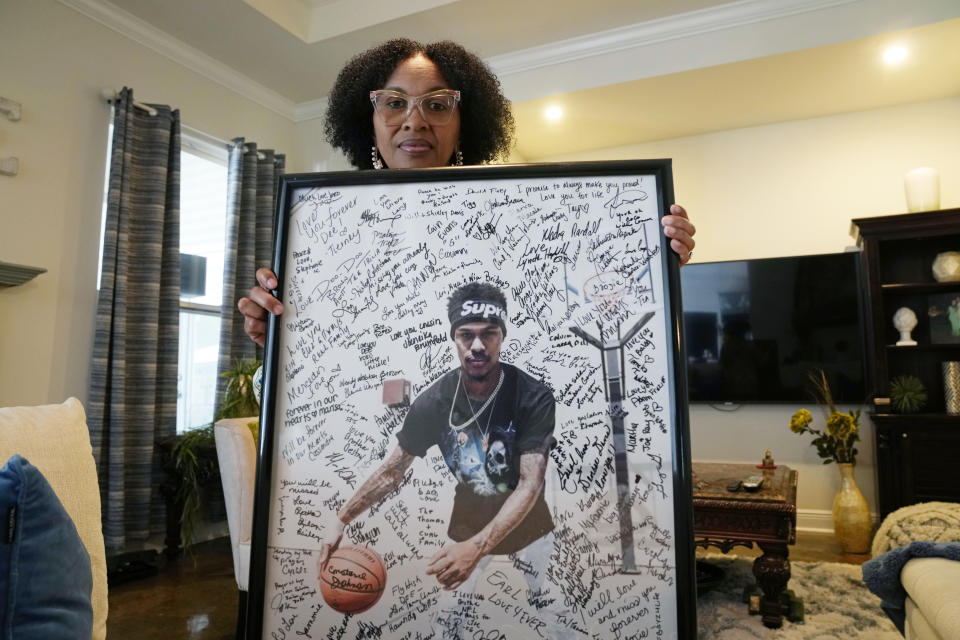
800	421
840	425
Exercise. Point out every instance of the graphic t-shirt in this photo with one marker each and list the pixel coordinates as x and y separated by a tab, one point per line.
484	455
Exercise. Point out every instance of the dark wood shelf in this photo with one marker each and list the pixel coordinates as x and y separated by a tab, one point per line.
921	287
925	347
917	418
907	225
915	454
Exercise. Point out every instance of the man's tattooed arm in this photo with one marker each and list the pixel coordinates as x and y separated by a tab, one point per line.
384	480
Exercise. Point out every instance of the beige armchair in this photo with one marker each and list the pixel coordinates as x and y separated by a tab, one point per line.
55	439
933	601
932	584
237	457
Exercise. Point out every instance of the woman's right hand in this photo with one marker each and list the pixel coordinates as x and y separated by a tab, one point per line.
258	304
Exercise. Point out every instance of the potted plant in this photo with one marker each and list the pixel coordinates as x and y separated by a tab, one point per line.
837	443
907	394
192	455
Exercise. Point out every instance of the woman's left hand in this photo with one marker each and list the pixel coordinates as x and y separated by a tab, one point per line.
680	230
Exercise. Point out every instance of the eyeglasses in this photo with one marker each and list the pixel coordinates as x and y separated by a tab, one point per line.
436	107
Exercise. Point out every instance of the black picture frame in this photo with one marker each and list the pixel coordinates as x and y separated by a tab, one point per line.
940	308
674	420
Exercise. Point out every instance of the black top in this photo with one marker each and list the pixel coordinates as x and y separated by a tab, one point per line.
519	420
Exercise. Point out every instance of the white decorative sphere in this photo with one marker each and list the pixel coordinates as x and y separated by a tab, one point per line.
904	319
946	266
258	383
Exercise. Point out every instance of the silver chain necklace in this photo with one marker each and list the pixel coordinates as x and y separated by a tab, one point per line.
458	427
484	440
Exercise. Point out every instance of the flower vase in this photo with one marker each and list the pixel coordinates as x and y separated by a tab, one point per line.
851	514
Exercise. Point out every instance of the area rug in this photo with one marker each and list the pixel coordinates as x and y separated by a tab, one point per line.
836	604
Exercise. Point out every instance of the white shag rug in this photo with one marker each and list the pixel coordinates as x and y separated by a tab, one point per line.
836	604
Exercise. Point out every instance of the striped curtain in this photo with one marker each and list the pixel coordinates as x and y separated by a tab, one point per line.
252	179
133	383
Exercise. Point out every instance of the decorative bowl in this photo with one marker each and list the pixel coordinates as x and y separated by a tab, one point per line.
946	266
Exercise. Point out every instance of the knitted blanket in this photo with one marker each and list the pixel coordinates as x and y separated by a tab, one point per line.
932	521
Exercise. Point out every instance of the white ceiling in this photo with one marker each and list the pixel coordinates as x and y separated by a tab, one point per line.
316	20
624	70
831	79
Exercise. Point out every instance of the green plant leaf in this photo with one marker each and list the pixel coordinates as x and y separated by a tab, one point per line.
907	394
239	400
836	442
197	470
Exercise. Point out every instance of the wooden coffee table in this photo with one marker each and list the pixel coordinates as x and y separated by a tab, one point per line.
767	518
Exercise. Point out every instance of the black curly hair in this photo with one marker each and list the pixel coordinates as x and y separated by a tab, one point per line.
486	122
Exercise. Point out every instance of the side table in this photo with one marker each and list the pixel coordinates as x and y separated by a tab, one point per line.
767	518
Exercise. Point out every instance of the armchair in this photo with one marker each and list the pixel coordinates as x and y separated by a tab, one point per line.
916	570
237	457
55	439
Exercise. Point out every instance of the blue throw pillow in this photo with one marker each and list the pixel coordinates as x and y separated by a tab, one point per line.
45	576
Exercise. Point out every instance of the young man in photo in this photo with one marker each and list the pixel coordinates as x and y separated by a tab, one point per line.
494	425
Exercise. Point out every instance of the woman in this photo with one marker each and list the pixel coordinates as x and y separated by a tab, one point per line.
404	105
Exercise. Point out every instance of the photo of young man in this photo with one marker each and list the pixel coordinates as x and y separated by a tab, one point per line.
493	424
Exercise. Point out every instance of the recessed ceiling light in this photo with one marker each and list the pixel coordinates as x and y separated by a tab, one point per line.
553	113
895	54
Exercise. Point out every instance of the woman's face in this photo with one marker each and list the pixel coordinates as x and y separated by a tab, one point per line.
414	143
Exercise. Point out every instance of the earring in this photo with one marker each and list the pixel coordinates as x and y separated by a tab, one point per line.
458	162
375	158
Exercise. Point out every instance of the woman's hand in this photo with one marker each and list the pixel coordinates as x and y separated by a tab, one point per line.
680	230
256	307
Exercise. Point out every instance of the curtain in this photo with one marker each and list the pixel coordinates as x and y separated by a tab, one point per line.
133	383
252	179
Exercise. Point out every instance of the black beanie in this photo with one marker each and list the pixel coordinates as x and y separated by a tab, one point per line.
478	310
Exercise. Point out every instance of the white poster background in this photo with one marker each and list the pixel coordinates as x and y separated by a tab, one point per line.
368	272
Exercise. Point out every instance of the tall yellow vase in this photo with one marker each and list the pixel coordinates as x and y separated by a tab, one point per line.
851	514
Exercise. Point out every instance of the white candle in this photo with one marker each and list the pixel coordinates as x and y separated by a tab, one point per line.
923	189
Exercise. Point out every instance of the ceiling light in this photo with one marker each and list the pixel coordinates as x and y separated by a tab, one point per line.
553	113
895	54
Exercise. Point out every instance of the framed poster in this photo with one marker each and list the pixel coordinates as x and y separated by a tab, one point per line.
943	312
474	421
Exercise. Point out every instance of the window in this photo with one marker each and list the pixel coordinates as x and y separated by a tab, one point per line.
203	205
203	211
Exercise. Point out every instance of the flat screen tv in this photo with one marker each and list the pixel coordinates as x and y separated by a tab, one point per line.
755	329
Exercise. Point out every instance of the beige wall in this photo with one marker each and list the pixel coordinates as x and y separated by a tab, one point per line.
789	189
317	155
55	63
793	188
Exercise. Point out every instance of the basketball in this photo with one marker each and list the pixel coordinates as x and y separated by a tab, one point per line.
353	579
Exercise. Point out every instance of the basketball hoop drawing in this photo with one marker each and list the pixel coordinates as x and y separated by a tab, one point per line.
608	288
